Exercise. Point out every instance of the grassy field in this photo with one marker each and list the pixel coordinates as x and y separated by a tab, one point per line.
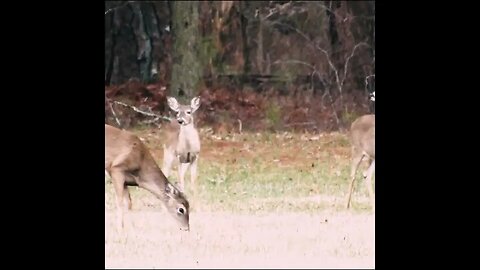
263	200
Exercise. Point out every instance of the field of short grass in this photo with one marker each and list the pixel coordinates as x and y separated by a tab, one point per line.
263	200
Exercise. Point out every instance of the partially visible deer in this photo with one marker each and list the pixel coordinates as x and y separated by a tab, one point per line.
183	141
129	163
362	137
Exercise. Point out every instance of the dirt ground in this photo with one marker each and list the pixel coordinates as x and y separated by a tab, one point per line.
228	240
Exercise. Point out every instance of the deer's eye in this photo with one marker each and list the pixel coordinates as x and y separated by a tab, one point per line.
181	210
189	112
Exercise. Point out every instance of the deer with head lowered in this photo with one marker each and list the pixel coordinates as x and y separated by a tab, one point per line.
362	137
129	163
183	142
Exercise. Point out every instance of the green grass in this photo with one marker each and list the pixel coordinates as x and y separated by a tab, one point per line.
265	172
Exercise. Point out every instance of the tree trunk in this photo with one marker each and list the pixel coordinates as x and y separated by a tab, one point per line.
110	43
144	43
186	70
260	57
133	44
335	41
244	22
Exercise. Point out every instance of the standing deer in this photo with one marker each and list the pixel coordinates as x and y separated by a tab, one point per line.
183	142
129	163
362	136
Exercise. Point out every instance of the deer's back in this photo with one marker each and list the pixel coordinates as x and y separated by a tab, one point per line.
123	149
362	134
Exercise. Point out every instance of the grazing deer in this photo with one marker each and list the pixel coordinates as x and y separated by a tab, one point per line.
183	142
362	136
129	163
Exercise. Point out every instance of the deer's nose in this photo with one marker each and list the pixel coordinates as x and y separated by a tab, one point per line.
180	121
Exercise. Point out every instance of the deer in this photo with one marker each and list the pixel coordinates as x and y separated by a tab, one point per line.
362	137
129	162
183	142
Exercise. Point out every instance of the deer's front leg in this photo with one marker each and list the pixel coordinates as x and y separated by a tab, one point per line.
127	200
369	184
357	158
182	169
193	172
118	180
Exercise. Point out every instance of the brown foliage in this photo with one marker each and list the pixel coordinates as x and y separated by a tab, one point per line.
224	110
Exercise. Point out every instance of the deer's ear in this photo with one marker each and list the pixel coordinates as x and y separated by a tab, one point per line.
171	190
172	103
195	104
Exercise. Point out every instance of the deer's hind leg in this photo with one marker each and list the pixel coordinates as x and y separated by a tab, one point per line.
356	160
369	183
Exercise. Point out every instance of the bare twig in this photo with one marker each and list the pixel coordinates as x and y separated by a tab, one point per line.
327	92
325	52
340	77
348	17
144	113
297	9
154	120
114	114
350	57
123	4
332	66
327	8
239	126
271	12
339	81
333	108
315	71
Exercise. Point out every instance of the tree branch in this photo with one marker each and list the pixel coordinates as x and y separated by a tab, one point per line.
339	81
348	59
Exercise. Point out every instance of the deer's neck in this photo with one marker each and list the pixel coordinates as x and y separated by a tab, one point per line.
152	178
188	129
188	140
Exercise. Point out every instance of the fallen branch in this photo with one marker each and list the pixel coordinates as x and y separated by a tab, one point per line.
157	117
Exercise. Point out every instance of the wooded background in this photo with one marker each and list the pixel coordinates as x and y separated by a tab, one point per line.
270	65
